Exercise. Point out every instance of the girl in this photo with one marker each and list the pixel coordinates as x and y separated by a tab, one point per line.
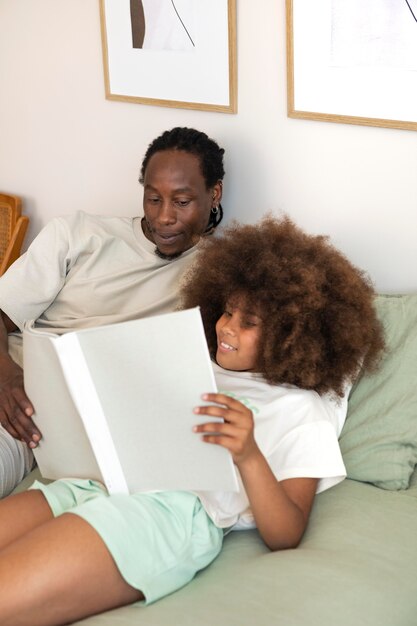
289	322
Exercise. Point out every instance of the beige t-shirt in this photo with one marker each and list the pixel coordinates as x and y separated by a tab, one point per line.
86	270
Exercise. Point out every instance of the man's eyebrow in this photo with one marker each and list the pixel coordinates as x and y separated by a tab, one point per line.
183	190
177	190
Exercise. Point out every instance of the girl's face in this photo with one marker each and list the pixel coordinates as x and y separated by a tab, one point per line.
238	333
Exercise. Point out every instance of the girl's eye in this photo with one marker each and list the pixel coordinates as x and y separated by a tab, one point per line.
250	323
227	313
152	200
183	203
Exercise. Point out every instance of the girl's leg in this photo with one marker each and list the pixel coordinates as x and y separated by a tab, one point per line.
58	573
21	513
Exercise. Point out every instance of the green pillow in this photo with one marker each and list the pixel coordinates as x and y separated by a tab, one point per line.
379	439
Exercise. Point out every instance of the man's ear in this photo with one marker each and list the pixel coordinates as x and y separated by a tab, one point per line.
217	193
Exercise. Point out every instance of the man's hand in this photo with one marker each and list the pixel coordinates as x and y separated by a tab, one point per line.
16	409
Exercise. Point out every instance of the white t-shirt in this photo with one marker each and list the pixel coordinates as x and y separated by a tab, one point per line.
296	430
86	270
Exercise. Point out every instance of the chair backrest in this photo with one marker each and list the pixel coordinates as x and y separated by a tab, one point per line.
13	227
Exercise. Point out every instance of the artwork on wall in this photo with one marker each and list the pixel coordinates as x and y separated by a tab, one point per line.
353	62
174	53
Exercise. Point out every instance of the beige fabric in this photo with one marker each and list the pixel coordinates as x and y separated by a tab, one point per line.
85	270
16	461
16	348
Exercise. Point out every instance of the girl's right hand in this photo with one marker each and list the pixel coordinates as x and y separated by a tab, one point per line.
236	433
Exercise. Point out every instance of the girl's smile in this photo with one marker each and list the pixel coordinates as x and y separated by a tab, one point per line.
225	346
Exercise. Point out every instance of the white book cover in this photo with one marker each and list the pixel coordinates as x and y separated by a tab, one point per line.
115	404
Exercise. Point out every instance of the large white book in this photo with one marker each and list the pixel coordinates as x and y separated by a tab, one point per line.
115	404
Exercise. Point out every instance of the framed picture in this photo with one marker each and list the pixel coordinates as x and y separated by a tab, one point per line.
353	61
174	53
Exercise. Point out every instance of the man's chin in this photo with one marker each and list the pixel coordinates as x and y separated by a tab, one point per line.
167	257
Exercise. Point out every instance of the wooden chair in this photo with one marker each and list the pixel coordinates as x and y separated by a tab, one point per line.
13	228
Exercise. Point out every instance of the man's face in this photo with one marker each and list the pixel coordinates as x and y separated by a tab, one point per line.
176	202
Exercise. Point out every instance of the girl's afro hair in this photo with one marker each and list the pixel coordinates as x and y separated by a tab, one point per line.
319	325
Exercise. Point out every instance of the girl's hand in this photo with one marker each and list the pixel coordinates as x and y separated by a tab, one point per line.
235	433
281	508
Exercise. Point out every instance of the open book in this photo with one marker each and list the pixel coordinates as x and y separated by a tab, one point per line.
115	404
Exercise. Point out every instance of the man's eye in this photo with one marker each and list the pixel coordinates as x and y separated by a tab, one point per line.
152	199
183	203
227	313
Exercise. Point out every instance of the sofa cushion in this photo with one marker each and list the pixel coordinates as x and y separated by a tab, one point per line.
379	439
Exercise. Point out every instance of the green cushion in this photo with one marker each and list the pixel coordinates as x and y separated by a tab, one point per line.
379	439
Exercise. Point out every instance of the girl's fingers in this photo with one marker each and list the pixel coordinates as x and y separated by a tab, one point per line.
234	433
222	398
211	410
226	442
239	420
221	428
239	447
227	408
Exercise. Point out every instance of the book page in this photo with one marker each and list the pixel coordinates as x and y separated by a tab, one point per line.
65	449
149	375
134	386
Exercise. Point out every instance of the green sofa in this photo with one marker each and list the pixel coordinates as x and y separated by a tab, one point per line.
357	563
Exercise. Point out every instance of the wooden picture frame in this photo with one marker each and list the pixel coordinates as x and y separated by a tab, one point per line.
341	88
178	53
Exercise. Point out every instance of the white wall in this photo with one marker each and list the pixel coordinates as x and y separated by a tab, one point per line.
63	146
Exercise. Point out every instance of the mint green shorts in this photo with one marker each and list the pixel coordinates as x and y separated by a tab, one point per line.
158	540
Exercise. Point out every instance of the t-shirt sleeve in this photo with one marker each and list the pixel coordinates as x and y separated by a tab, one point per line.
309	451
31	284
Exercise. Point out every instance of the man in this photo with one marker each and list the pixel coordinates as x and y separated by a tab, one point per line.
84	270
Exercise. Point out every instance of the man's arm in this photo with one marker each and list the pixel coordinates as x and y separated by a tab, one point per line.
15	407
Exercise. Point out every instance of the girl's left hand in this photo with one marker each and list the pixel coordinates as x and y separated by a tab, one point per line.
236	433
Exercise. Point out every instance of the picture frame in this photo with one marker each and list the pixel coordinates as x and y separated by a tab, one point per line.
170	53
331	80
